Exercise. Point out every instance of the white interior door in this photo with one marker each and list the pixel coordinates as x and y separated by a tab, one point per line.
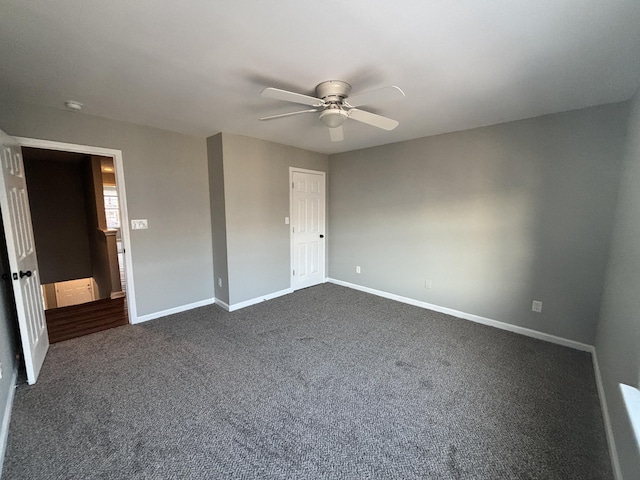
16	220
307	228
74	292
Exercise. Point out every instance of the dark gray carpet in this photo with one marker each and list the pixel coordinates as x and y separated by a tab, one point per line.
325	383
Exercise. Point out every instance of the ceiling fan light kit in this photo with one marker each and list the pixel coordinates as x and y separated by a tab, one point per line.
333	117
331	102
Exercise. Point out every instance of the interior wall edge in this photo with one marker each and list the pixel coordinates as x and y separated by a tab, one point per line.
222	304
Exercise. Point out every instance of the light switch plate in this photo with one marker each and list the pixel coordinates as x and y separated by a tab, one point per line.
140	224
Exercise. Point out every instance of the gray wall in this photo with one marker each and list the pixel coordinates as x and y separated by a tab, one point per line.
494	217
8	335
166	183
59	217
618	337
218	217
256	189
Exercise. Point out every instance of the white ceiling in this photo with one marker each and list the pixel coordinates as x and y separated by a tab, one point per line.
198	66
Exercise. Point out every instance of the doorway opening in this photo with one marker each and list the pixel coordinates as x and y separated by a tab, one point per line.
80	226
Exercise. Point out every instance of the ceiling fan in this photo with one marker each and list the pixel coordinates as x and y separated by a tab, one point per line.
335	105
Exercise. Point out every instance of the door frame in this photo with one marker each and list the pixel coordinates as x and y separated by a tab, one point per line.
291	246
122	199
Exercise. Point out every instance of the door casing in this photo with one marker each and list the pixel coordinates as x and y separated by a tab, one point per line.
120	186
291	233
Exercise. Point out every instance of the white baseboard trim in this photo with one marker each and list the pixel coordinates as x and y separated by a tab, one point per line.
171	311
469	316
6	417
253	301
223	304
613	452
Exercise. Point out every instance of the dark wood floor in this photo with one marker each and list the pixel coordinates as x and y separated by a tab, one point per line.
77	320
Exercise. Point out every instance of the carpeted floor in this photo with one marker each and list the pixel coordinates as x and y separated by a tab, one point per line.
325	383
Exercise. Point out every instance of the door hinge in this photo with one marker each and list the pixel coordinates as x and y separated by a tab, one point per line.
292	185
294	273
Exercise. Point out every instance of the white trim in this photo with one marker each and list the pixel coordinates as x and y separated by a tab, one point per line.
613	452
6	417
469	316
631	397
291	255
122	197
254	301
171	311
224	305
306	170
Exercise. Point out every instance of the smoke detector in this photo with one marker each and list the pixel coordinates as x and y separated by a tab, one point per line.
73	105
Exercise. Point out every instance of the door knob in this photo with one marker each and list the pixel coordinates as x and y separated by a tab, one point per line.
321	236
25	274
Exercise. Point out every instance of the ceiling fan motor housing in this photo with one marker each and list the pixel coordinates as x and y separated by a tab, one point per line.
333	91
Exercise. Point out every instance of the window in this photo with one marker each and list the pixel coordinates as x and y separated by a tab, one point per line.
111	207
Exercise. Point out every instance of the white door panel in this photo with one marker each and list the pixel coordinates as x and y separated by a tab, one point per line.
74	292
307	229
16	221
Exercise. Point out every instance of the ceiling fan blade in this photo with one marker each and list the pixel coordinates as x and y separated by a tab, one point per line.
287	96
336	134
289	114
376	96
373	119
